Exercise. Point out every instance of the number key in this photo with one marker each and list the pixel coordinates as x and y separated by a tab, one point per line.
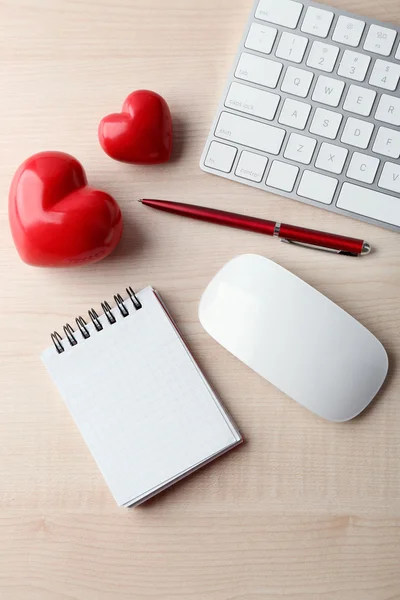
385	75
323	56
354	65
292	47
380	40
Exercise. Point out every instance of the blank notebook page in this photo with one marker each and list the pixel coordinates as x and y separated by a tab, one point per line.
140	401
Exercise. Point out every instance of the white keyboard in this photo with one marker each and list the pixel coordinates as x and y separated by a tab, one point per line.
311	110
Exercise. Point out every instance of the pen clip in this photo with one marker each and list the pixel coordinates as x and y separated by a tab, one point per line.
304	245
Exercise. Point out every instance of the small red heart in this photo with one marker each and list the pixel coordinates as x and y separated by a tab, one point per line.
141	133
56	219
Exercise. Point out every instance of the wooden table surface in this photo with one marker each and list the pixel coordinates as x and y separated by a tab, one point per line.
305	510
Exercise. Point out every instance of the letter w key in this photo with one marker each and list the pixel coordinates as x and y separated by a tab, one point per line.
328	91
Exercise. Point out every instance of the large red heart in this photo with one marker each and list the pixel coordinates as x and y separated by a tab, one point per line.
141	133
56	219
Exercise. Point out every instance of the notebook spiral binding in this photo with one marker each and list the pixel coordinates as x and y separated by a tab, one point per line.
69	332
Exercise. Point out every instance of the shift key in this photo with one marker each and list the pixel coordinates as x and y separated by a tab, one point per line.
247	132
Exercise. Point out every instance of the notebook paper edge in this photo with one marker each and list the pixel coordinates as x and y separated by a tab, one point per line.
219	403
155	491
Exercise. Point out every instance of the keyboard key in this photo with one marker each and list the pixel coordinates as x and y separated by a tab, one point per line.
220	157
259	136
369	203
385	75
348	31
326	123
331	158
357	133
261	38
297	82
398	52
388	110
387	142
322	56
258	70
284	12
251	166
294	113
317	21
252	101
359	100
363	167
390	177
315	186
282	176
328	91
354	65
380	40
300	148
291	47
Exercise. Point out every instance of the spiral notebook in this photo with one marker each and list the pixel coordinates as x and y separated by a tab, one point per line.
141	403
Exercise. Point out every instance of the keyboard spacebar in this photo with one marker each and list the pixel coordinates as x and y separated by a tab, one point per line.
370	203
250	133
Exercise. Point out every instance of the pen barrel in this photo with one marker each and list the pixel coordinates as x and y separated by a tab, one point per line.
321	239
212	215
241	222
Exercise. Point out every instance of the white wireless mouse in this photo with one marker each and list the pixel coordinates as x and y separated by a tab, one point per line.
295	337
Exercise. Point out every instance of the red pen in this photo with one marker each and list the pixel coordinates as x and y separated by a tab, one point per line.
290	234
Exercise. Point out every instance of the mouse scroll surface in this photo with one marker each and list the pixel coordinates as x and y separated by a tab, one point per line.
294	337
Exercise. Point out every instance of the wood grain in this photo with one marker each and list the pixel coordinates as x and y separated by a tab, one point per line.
305	510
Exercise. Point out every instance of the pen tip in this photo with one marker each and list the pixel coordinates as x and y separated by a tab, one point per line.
140	200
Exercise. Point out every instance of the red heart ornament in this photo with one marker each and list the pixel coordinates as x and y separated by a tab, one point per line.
56	219
141	133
